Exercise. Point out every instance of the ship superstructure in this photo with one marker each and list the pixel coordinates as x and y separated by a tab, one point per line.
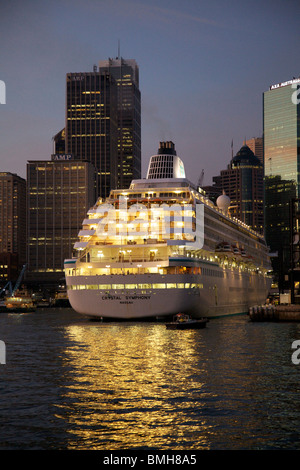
161	247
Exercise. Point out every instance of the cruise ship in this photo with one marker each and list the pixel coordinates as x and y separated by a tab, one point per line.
162	247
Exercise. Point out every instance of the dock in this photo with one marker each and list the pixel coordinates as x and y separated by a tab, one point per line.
278	313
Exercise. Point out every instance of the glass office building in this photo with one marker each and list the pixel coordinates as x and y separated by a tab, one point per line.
59	194
103	122
126	74
13	216
281	166
92	124
242	182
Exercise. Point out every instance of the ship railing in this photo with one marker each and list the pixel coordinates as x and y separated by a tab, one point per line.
137	241
99	261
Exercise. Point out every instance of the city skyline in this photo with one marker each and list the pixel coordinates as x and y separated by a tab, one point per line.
203	71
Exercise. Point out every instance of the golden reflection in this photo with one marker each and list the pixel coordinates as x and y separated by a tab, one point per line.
134	386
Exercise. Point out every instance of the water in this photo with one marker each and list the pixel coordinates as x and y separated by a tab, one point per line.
69	383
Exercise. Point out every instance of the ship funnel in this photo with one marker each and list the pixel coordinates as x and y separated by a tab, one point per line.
166	148
165	164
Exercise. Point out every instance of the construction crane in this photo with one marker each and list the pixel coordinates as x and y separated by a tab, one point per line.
8	286
17	285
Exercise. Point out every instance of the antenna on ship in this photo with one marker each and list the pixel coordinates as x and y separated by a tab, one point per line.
118	49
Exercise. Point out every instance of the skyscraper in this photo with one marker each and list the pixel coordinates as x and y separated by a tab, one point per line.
59	142
281	122
256	144
59	194
126	74
242	182
92	124
13	215
103	122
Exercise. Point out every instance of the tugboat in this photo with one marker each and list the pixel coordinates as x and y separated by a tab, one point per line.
182	321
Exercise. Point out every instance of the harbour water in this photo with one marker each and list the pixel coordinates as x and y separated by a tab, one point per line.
70	383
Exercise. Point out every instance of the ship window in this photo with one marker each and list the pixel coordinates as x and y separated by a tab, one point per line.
144	286
117	286
180	286
92	286
187	285
171	286
159	286
130	286
104	286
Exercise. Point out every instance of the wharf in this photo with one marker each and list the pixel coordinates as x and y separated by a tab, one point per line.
278	313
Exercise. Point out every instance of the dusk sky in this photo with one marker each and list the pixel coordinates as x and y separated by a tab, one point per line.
204	66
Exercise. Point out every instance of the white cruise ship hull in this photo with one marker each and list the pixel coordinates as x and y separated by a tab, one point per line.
215	297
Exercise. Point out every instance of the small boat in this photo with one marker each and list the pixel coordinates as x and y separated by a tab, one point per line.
19	302
182	321
61	299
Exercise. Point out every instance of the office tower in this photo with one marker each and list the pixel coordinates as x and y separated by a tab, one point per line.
91	124
257	146
59	143
9	268
281	123
242	182
59	194
126	74
13	215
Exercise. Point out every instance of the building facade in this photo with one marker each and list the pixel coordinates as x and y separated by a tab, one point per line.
281	122
13	216
9	268
126	74
59	142
91	128
242	182
256	144
59	194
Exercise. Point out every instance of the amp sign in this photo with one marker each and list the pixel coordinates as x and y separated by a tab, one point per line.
62	156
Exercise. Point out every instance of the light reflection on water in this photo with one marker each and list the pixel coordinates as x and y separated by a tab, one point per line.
74	384
132	379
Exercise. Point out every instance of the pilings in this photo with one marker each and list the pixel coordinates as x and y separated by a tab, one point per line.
278	313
